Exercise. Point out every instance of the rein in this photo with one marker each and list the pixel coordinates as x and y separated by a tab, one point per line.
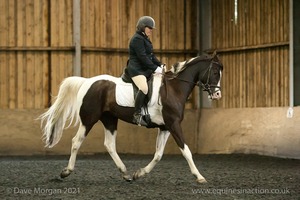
170	77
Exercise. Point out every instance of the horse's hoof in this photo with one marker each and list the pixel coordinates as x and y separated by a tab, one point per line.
139	173
201	181
127	178
135	176
65	172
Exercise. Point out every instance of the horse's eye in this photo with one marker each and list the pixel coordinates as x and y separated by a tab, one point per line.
216	72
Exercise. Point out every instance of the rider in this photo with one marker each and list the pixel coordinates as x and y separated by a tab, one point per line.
142	63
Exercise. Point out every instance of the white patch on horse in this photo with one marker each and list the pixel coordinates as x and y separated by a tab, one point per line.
179	66
190	60
161	140
189	158
217	93
110	145
87	85
219	83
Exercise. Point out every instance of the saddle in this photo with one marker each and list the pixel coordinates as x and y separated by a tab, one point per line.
127	79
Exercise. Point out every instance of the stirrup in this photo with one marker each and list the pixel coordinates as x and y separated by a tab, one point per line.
139	120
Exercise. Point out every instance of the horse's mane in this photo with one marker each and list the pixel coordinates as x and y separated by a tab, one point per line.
180	66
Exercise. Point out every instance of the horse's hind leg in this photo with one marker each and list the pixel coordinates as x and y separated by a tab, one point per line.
110	131
110	145
76	143
161	141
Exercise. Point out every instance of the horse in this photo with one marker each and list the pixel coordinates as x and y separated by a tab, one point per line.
85	101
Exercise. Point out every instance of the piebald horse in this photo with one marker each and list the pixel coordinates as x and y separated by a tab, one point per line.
88	100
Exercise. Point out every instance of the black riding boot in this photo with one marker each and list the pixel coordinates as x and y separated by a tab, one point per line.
139	103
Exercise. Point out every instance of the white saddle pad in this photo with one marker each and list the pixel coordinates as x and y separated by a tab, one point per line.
124	92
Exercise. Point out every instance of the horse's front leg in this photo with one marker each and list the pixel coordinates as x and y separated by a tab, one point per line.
178	136
161	141
110	145
188	156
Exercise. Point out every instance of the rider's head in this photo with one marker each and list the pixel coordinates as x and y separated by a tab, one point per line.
145	21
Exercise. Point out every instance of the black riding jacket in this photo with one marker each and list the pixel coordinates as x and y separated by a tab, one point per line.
141	61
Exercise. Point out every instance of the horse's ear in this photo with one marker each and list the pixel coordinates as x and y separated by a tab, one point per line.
215	55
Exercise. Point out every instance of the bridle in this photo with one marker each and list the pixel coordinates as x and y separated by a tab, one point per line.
205	86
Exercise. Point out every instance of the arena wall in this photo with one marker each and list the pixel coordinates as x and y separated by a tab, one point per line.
265	131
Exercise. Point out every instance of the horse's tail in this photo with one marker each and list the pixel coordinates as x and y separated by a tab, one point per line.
63	109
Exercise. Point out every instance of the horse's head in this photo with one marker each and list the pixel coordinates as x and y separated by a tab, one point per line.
204	71
211	79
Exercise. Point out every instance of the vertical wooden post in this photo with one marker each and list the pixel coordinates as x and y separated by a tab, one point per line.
205	20
76	38
291	63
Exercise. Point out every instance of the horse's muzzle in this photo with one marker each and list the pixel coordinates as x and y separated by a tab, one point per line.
216	95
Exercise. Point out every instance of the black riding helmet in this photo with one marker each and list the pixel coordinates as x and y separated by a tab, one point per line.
145	21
